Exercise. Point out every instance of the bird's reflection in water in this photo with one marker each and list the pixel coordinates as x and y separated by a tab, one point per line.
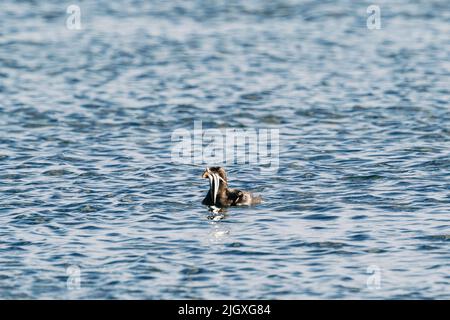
216	213
218	231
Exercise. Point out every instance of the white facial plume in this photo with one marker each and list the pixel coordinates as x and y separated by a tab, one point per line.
214	183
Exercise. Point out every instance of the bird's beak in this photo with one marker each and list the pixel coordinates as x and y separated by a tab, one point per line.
205	174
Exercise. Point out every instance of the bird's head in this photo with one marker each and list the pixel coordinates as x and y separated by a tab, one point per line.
217	178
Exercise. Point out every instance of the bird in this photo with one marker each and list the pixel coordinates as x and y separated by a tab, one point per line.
220	196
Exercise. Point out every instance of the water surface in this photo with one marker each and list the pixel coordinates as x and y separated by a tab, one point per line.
86	177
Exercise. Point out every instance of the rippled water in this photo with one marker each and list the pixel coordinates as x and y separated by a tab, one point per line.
87	185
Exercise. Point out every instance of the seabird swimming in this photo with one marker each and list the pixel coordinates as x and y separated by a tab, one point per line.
220	196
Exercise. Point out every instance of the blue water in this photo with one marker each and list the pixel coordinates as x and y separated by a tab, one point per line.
87	181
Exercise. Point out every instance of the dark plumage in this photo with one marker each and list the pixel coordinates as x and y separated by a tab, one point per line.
220	196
